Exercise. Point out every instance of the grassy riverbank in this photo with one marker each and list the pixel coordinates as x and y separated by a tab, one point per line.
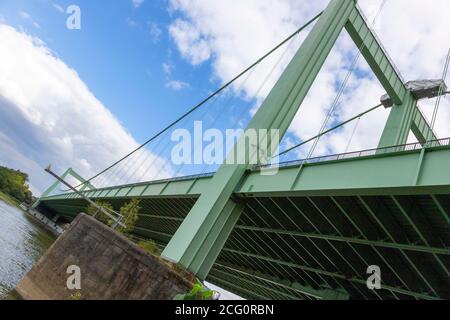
8	199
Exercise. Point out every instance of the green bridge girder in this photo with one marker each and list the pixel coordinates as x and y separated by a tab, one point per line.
310	242
311	231
395	172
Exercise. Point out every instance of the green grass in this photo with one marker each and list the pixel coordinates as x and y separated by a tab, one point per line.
8	199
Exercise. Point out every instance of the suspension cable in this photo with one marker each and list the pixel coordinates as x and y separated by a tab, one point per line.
329	130
438	100
342	87
307	24
352	135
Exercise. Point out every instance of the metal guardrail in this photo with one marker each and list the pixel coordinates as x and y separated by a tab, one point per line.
334	157
363	153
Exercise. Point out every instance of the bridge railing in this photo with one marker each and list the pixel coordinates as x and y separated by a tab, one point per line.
364	153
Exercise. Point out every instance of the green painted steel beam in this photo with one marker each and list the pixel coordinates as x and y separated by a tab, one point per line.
380	214
381	244
323	294
380	174
375	56
253	284
336	275
411	215
202	235
68	172
374	175
188	187
399	123
405	115
86	184
441	209
205	230
421	128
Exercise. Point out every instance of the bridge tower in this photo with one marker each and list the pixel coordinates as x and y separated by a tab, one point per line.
203	233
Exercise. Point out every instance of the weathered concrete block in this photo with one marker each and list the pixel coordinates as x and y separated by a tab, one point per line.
112	267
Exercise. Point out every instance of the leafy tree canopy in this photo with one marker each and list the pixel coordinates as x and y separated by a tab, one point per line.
15	184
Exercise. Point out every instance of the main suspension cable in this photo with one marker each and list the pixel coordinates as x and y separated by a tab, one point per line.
330	130
307	24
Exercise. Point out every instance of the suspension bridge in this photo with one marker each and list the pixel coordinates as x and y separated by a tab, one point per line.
311	230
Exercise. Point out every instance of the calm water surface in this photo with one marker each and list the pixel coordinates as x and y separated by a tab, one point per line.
22	243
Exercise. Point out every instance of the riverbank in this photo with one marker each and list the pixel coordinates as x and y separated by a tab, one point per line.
8	199
22	242
50	225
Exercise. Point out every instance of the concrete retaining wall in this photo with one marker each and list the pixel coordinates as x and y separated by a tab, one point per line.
46	222
112	267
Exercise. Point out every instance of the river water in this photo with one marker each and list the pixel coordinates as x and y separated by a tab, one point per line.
22	243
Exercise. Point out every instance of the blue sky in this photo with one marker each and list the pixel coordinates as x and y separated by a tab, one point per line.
125	56
119	53
83	98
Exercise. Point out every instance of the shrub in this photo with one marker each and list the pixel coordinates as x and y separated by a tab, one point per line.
198	292
149	246
130	212
98	214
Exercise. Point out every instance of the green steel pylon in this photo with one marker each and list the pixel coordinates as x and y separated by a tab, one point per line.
203	233
69	172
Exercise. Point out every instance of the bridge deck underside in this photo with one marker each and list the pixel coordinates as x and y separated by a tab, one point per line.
296	247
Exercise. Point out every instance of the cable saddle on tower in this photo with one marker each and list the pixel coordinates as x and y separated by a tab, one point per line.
420	89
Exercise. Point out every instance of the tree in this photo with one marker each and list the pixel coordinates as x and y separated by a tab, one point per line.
130	213
15	184
94	211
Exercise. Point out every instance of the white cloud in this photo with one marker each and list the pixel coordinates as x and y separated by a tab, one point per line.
26	16
131	22
167	68
231	34
58	7
177	85
137	3
189	41
52	116
155	32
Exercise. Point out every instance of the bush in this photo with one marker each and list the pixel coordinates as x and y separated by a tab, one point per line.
198	292
130	213
76	296
99	214
149	246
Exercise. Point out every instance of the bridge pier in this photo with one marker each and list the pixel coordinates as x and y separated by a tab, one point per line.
111	268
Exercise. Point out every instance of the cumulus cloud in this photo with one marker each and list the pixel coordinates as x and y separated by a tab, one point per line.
232	34
137	3
177	85
189	41
48	114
